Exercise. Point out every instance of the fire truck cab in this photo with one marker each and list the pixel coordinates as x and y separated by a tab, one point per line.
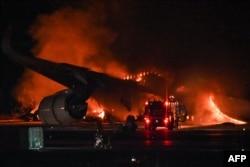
157	115
160	113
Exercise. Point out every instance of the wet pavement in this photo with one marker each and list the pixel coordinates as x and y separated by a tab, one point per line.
75	145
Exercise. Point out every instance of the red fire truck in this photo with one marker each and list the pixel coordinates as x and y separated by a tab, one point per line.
160	113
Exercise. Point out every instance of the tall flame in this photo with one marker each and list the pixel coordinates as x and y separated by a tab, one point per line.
205	104
219	115
209	113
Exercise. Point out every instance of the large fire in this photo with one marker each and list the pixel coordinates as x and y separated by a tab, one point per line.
208	112
218	115
80	37
73	36
206	107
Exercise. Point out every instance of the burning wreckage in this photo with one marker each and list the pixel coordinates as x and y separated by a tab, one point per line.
112	96
115	94
83	85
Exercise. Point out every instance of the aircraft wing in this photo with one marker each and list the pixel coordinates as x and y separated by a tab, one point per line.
81	81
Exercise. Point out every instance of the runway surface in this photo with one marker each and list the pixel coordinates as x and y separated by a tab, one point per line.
191	145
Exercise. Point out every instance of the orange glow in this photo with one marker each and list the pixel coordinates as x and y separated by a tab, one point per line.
219	115
71	36
181	89
34	109
95	109
208	112
99	112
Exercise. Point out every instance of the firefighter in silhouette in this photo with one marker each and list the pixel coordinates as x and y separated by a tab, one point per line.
173	104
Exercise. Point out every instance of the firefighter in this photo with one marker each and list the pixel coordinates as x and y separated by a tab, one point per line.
172	107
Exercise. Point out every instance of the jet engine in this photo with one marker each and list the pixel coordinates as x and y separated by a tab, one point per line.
63	107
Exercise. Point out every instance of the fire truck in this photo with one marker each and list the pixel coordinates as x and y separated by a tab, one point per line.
159	113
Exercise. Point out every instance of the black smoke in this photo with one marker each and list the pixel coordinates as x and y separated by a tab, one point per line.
196	43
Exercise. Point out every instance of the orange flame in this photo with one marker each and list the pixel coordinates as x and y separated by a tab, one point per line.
207	112
99	112
205	105
95	109
69	35
219	115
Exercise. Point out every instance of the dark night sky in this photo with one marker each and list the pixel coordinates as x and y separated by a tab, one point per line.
187	38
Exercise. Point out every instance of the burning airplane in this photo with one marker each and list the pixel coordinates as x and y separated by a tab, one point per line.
101	89
71	104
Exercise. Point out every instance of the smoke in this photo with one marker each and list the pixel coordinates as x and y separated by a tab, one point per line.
82	36
72	35
192	92
208	103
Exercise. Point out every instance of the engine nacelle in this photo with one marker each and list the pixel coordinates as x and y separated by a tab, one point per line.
63	107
